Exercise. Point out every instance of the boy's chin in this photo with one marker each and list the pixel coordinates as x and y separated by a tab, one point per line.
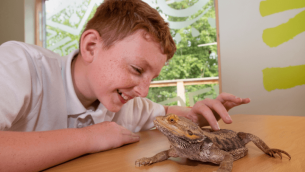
113	108
111	105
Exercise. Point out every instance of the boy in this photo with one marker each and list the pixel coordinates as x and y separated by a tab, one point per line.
91	100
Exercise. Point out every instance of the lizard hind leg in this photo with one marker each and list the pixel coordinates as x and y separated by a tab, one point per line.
247	137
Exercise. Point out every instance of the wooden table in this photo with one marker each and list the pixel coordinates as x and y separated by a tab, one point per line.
283	132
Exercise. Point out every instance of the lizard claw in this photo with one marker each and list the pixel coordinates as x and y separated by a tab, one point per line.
279	154
143	161
273	152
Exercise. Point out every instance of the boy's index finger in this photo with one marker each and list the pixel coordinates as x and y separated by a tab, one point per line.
220	109
223	97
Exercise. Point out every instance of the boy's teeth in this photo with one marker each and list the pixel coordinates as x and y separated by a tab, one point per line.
124	97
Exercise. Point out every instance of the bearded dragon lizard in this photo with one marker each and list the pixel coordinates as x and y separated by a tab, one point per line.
190	141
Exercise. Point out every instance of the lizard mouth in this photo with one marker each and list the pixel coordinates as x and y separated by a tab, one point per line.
159	126
166	131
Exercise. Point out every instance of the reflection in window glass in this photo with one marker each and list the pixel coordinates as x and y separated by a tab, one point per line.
161	94
195	93
65	21
192	24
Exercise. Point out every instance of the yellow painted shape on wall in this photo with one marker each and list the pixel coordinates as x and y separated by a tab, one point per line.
277	35
283	78
269	7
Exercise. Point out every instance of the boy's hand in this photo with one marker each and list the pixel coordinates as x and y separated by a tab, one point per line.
108	135
218	108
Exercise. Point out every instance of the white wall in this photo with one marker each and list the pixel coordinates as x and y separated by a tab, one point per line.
244	55
17	20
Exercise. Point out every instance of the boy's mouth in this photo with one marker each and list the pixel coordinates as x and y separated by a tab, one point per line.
126	98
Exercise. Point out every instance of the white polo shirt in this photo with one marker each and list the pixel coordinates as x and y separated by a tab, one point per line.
37	94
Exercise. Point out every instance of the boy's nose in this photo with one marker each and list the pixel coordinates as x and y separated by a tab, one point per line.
142	88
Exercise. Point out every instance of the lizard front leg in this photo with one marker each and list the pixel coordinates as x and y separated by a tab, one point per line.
223	158
164	155
247	137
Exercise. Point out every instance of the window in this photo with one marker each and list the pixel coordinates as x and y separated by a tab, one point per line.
191	75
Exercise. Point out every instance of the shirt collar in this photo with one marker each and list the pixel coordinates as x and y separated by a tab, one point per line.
74	106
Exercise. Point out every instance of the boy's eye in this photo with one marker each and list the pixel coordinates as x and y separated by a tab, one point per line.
137	70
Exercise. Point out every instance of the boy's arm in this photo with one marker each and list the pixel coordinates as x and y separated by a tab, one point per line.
209	111
35	151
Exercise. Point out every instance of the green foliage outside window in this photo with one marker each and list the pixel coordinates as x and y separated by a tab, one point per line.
190	61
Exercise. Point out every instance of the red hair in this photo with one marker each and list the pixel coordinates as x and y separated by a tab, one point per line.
116	19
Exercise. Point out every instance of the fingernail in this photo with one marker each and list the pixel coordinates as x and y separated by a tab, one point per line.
217	126
229	118
135	135
238	98
136	139
191	118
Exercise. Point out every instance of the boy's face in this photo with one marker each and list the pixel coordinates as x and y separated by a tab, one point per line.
124	71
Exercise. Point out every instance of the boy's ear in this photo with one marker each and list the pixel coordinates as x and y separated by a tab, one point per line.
90	40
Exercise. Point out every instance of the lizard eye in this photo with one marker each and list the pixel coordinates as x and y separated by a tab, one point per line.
190	132
171	120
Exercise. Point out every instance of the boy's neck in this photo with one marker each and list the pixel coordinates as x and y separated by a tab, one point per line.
78	71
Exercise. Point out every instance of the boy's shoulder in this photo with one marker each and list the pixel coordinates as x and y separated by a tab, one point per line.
33	50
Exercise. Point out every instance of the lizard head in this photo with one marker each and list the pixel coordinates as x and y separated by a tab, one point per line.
179	128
